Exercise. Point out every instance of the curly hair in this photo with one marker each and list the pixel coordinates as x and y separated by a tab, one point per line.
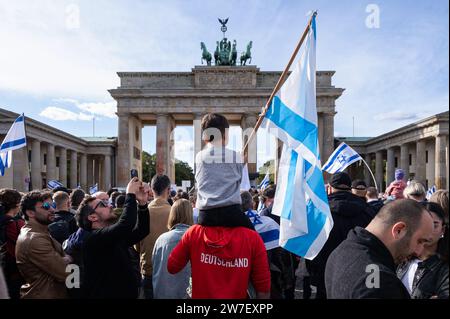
29	201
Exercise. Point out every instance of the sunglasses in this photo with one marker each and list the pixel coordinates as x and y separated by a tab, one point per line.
103	203
47	205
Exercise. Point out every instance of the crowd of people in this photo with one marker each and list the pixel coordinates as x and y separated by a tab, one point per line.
219	242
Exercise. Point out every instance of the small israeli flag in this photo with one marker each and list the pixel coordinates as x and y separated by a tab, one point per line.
431	191
53	184
265	182
342	157
14	139
93	189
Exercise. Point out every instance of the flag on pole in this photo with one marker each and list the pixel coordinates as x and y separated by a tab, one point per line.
431	191
342	157
300	199
14	139
265	182
245	181
54	184
93	189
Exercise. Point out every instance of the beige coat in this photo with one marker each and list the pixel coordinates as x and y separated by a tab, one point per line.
40	261
159	215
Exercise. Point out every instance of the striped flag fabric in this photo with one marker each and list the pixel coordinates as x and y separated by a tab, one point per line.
431	191
14	139
300	199
265	182
93	189
342	157
54	184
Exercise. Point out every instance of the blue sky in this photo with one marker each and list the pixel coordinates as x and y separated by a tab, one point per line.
59	58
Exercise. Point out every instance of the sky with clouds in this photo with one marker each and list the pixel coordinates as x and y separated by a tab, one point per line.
59	58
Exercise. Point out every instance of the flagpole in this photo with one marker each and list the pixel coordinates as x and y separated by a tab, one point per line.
277	87
374	180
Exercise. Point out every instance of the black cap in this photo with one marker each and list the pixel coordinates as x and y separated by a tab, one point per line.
341	181
359	184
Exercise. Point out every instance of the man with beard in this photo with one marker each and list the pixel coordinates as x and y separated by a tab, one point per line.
109	271
40	258
364	265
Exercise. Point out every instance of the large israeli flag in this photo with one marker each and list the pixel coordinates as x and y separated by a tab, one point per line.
342	157
14	139
300	199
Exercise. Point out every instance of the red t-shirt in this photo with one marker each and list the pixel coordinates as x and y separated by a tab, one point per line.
223	261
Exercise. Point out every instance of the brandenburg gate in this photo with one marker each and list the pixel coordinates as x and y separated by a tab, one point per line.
168	99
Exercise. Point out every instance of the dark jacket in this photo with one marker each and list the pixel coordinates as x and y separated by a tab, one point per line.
355	265
431	278
348	211
109	271
376	205
63	226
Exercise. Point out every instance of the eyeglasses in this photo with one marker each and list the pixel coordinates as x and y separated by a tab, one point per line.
47	205
103	203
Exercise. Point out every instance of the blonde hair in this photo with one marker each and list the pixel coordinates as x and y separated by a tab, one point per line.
60	198
414	190
180	213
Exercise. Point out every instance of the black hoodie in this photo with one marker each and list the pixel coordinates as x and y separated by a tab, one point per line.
353	267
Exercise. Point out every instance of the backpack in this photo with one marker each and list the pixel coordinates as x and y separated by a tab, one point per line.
60	229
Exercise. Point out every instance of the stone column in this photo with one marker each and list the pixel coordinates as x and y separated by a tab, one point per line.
107	172
162	144
51	162
328	135
320	127
404	159
390	169
421	172
379	170
83	171
123	151
63	166
97	169
171	167
20	169
90	171
440	170
73	169
367	175
36	176
248	122
198	141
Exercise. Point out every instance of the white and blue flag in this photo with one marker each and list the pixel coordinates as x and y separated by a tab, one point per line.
342	157
300	200
431	191
14	139
93	189
54	184
245	181
265	182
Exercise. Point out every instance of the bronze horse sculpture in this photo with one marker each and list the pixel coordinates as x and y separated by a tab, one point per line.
205	54
247	54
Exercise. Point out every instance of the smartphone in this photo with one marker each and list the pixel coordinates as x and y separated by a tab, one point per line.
134	173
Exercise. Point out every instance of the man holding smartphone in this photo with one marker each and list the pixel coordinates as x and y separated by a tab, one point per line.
109	271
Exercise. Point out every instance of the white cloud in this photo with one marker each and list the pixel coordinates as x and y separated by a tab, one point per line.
101	109
107	109
60	114
396	116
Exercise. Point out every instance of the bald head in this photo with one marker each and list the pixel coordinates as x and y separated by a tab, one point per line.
404	226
